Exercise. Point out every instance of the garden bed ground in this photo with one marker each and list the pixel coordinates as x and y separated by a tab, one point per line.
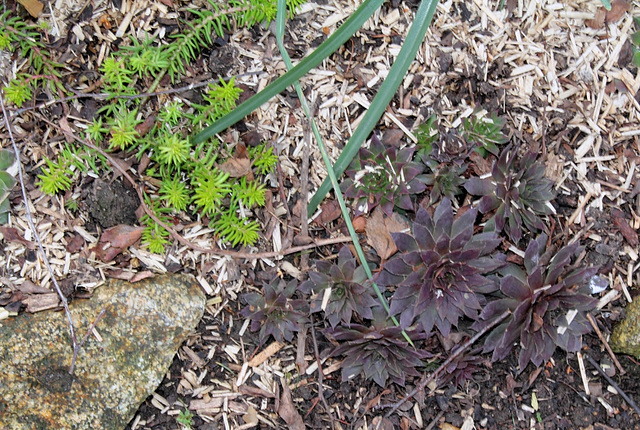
563	81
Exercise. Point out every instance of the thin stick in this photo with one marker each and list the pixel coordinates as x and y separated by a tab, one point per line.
453	356
174	234
628	399
92	326
104	96
583	373
320	374
594	324
61	296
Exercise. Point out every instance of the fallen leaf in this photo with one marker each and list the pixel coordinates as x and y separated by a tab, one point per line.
29	287
251	417
236	167
140	276
287	409
146	126
330	211
75	244
64	125
34	7
379	228
359	224
118	239
255	391
621	222
598	19
618	9
11	235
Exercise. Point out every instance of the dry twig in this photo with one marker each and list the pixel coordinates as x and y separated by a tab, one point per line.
628	399
63	299
421	386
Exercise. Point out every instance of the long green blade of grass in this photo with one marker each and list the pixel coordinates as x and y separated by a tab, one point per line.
407	54
328	47
280	21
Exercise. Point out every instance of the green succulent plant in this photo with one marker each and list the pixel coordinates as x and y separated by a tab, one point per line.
518	191
547	301
340	290
484	131
441	269
383	176
379	352
445	180
274	312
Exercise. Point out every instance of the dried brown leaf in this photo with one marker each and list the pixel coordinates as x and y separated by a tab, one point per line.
598	19
255	391
34	7
75	244
618	9
621	222
144	127
119	238
11	235
287	409
29	287
330	212
236	167
379	228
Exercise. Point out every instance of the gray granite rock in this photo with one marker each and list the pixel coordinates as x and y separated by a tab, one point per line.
143	326
626	335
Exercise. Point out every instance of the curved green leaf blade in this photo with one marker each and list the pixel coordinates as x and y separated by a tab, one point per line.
407	54
328	47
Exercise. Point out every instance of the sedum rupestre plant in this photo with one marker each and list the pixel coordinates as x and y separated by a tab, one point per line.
440	269
518	191
383	176
548	301
274	312
340	290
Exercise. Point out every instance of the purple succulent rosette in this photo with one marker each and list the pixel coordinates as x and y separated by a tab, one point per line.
517	191
441	270
547	302
274	313
384	177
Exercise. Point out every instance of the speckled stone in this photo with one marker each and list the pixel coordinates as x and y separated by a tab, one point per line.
626	335
143	326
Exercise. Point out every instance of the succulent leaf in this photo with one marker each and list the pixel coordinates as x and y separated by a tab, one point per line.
440	270
346	286
383	176
518	191
378	352
274	312
547	304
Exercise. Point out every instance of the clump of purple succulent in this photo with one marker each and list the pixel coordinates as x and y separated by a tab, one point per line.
340	289
385	177
378	352
462	369
441	269
547	301
274	312
518	191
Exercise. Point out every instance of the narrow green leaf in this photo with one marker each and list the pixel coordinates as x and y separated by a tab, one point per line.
606	4
407	54
328	47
